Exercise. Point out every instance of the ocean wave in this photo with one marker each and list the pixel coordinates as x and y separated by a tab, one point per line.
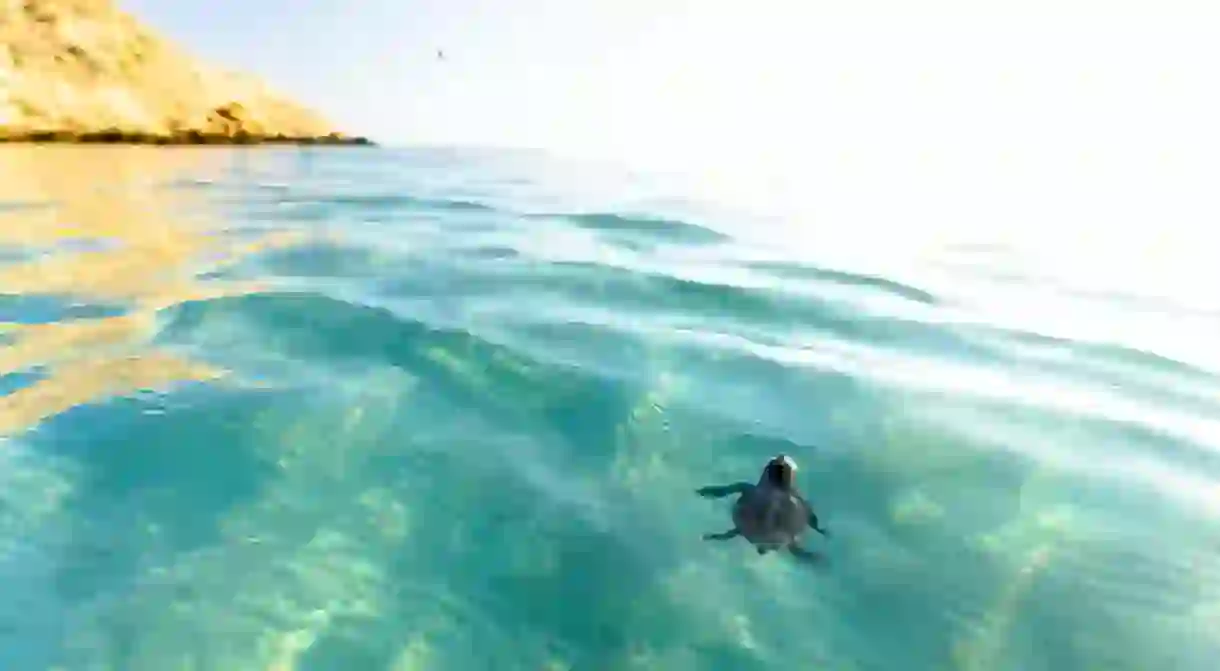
423	410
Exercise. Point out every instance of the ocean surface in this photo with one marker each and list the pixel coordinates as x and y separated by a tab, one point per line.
333	409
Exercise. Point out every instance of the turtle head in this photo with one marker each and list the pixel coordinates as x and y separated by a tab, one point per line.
780	472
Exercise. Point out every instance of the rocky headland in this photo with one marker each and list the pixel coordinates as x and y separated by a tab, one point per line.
80	71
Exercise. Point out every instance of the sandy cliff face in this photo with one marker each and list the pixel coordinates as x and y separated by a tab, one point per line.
71	68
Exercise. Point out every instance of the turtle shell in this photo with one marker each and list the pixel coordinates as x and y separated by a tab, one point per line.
768	516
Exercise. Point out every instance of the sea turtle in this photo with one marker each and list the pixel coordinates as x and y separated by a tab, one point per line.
771	514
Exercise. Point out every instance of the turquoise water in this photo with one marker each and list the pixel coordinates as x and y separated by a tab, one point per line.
400	410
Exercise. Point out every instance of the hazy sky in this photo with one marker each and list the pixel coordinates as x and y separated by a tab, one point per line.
675	77
1101	114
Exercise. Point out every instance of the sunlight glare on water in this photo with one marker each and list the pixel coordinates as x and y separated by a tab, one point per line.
307	409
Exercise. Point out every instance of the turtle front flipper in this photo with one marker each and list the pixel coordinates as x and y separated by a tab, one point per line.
721	491
731	533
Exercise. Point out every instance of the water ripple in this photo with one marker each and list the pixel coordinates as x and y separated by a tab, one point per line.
308	409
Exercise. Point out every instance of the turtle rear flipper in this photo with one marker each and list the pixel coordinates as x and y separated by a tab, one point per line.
813	524
812	519
804	555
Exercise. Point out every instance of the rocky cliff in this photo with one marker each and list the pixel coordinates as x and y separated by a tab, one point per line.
83	70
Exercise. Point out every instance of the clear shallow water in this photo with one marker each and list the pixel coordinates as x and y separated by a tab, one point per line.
437	410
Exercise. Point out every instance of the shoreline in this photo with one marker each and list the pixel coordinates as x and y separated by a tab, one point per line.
184	138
